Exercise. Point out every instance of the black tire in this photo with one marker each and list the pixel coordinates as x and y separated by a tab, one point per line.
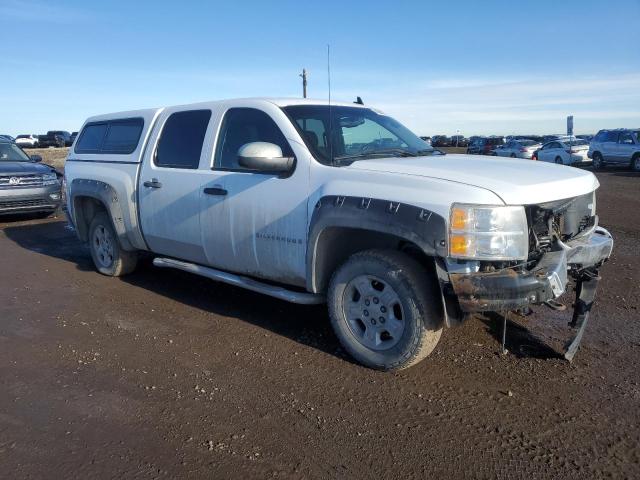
108	257
598	162
559	161
513	155
415	299
635	162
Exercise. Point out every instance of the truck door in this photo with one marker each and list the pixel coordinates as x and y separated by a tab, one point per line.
262	228
171	183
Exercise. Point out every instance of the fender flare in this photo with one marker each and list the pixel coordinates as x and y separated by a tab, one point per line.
417	225
107	196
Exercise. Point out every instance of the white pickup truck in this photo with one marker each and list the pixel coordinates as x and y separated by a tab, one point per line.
313	202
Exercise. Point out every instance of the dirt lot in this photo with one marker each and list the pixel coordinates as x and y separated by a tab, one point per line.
166	375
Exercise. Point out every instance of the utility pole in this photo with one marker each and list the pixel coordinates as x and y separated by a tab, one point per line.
304	83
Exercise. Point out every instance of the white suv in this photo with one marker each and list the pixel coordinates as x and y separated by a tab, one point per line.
27	141
617	147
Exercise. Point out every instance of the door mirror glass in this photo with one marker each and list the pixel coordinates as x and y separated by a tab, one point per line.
264	157
36	158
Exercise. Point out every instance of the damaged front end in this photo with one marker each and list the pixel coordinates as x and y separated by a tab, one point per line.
565	242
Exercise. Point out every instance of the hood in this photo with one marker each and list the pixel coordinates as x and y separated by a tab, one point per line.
515	181
23	168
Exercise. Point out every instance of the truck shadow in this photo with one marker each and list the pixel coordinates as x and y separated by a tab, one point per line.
520	341
50	237
307	325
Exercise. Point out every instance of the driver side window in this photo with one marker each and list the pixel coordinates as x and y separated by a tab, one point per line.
245	125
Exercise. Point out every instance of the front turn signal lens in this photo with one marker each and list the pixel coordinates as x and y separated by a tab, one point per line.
459	218
461	245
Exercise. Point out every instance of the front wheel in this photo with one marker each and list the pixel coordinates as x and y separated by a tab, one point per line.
384	309
635	163
559	161
109	258
597	161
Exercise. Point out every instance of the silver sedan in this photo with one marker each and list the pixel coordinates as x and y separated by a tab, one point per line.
518	149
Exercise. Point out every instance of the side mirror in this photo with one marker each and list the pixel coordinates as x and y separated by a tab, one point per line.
264	157
36	158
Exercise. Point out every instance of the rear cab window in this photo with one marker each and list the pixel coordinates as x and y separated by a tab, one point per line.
119	136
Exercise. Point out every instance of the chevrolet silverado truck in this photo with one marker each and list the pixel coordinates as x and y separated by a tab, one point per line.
312	202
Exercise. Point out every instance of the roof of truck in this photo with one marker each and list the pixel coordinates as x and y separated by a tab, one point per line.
280	102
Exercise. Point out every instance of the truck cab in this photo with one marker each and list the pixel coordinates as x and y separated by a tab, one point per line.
313	202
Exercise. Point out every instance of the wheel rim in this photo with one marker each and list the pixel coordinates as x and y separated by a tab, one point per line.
636	164
596	161
103	246
374	312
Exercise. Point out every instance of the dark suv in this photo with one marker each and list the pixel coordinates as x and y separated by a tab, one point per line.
485	145
25	184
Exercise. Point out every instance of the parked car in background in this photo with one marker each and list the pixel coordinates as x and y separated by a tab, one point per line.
485	145
65	135
459	141
588	138
518	149
25	184
551	138
474	145
616	147
7	138
440	141
27	141
536	138
73	136
564	152
52	139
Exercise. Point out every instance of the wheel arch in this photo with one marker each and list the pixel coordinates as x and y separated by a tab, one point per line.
87	197
342	226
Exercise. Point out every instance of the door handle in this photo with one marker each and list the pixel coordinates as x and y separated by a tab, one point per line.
215	191
154	183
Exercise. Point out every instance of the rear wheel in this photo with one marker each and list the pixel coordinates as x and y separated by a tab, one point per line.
513	155
635	163
559	161
597	161
383	309
109	258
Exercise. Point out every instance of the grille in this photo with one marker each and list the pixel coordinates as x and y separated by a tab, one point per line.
21	181
39	202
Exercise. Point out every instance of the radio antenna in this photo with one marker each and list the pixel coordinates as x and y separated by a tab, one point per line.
330	116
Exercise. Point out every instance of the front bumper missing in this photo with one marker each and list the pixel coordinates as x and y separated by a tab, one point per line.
509	289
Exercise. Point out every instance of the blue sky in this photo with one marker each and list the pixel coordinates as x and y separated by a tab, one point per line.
478	67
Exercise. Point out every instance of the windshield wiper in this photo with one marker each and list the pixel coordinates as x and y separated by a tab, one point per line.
388	152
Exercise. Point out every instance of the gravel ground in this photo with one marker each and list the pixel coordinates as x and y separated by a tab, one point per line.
165	375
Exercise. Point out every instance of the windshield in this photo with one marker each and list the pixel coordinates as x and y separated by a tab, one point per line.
10	152
356	133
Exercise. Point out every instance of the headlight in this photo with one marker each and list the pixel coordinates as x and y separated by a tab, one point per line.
49	179
483	232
